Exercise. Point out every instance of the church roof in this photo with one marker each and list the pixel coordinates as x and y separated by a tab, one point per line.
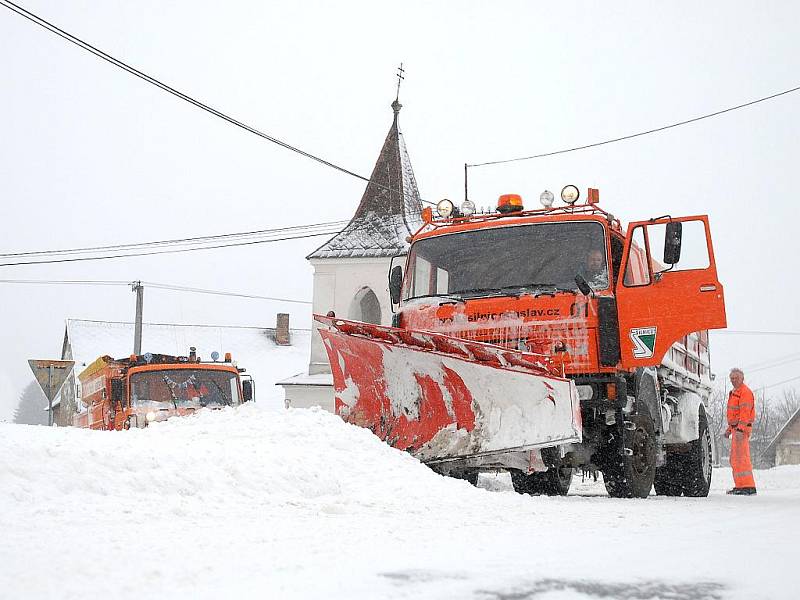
389	210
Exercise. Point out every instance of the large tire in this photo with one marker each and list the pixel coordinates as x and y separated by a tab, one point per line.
688	473
666	480
695	477
633	476
553	482
560	480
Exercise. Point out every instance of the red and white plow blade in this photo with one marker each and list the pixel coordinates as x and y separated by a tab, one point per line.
441	397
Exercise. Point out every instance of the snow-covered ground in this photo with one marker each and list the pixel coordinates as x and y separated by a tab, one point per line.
297	504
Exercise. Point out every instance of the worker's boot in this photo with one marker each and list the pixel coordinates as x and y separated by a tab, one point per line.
743	491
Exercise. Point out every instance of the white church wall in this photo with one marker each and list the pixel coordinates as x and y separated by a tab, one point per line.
300	395
337	282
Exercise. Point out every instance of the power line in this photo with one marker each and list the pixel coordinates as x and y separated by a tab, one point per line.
299	232
41	22
171	251
153	81
771	385
148	284
91	282
163	286
742	332
254	327
178	241
641	133
779	363
775	361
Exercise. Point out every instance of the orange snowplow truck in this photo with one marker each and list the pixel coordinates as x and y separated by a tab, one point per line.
141	389
540	342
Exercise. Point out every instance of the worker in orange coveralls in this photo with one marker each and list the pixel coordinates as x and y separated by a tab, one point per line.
741	414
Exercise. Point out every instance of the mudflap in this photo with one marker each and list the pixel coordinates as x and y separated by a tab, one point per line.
443	398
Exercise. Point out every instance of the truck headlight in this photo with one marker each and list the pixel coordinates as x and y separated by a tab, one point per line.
150	417
570	194
445	208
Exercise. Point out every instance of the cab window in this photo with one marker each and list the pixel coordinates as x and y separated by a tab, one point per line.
637	271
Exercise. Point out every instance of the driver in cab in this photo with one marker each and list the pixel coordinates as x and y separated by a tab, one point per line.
595	271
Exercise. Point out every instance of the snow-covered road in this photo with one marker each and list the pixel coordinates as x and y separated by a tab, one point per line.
297	504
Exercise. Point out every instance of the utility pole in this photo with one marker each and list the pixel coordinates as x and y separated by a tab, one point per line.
137	287
49	398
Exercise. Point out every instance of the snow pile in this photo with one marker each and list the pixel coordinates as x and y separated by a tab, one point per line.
296	458
254	503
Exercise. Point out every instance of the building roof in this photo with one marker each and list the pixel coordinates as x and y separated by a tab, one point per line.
253	348
783	430
389	210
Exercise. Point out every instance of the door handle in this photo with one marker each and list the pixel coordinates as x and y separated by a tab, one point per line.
708	287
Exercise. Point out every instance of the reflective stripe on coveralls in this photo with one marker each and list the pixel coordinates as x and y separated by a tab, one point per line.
741	414
740	460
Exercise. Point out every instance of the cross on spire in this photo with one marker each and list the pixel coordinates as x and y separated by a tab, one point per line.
400	78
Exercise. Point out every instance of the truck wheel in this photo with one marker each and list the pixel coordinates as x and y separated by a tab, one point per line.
532	484
665	482
632	476
695	476
559	480
553	482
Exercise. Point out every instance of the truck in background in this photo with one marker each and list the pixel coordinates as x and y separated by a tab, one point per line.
133	392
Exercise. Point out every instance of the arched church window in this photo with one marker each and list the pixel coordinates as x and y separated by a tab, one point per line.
365	307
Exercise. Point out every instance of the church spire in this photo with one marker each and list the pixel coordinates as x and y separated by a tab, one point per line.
390	207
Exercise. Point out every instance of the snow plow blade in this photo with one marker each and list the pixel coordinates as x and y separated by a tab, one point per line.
443	398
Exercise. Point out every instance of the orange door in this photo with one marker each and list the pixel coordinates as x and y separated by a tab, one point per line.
659	303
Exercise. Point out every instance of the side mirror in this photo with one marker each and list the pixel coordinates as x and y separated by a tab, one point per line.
247	390
672	242
118	392
583	285
395	283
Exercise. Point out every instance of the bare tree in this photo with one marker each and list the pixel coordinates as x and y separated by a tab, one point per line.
786	405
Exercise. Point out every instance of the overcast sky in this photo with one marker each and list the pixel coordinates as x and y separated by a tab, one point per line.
90	155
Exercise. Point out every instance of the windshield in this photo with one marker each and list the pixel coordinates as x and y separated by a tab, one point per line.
185	388
538	255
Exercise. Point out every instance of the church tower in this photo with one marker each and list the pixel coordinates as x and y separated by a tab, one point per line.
351	269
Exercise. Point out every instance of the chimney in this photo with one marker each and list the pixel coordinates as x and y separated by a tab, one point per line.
282	330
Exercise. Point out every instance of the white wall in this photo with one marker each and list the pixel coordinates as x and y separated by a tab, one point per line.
306	396
336	283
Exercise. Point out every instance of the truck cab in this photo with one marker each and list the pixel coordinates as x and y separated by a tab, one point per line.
624	312
142	389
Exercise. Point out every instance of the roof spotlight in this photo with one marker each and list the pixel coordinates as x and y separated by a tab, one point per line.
445	208
570	194
546	198
467	208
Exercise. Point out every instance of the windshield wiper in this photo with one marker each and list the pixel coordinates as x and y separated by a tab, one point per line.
171	392
452	297
478	291
547	288
544	288
221	393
